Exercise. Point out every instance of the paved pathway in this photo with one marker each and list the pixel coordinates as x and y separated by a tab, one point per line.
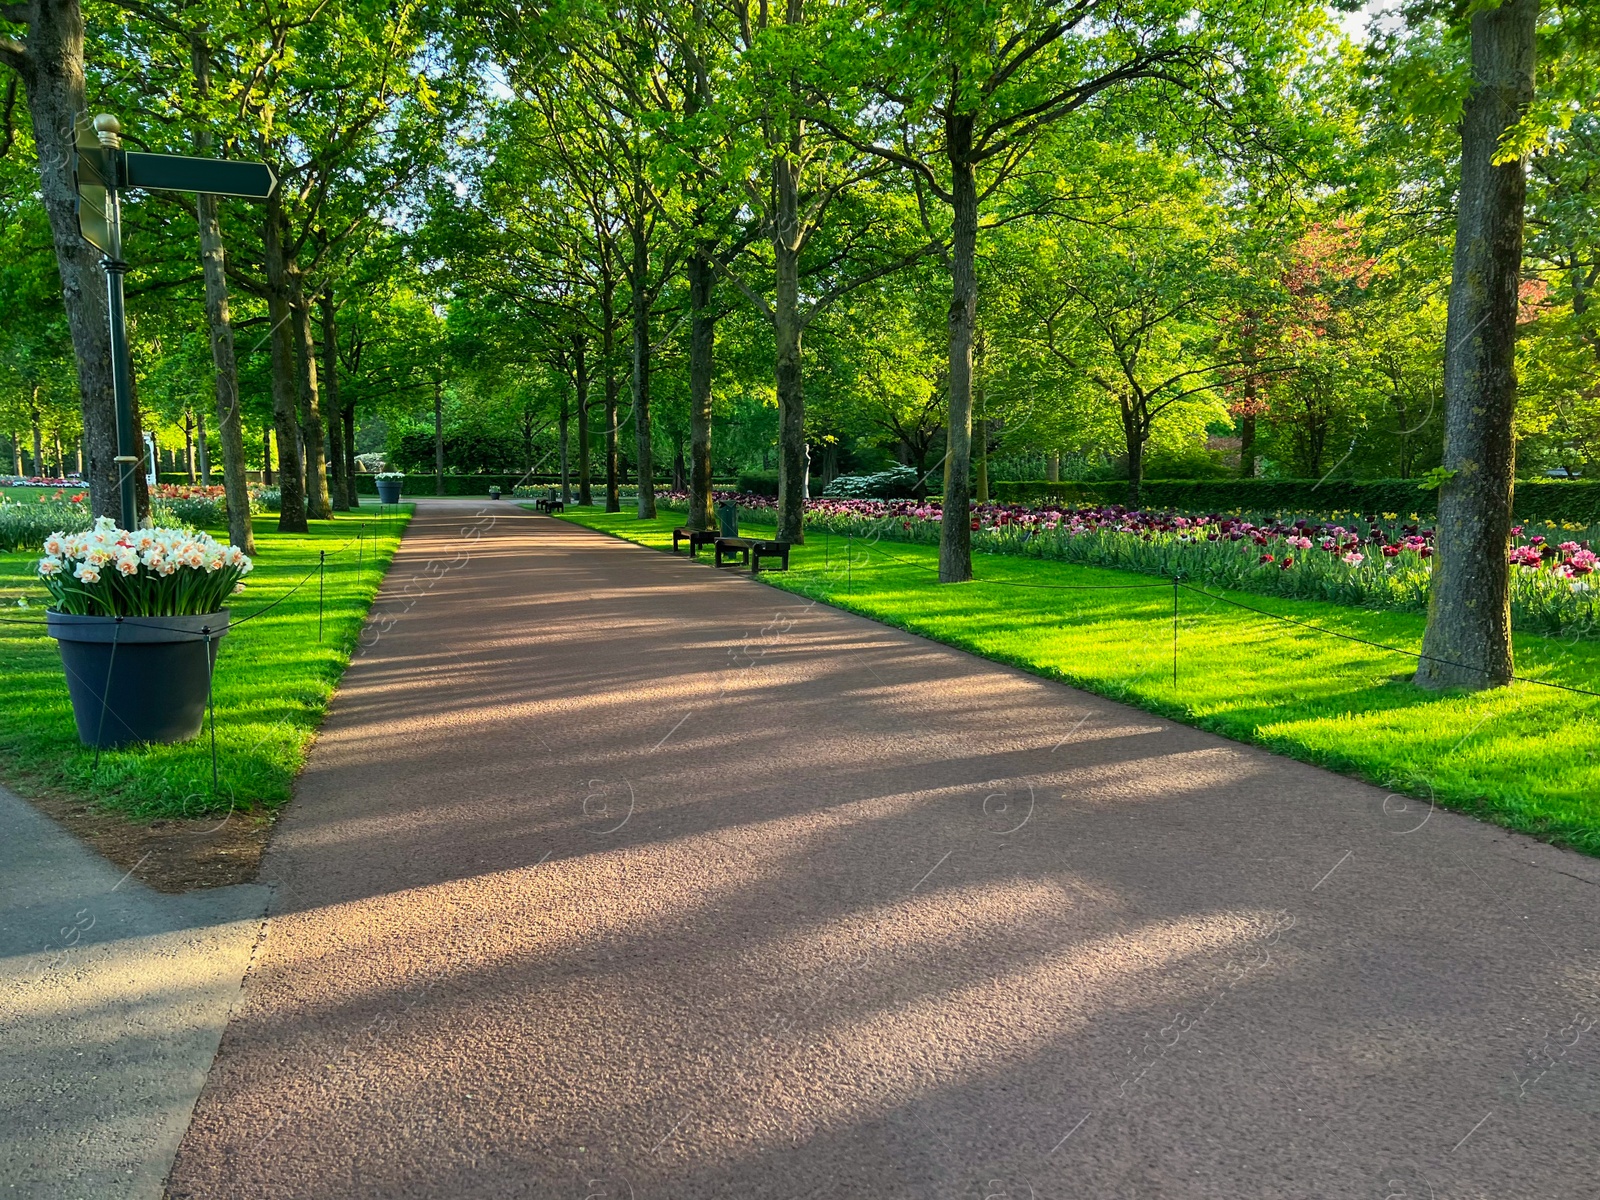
112	1001
612	876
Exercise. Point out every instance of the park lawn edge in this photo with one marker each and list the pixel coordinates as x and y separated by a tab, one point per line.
1580	835
123	784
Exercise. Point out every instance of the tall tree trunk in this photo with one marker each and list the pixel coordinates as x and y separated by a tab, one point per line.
1247	443
266	456
702	342
202	449
787	334
339	488
188	445
438	437
640	304
285	417
608	351
51	66
1133	444
348	416
16	455
563	418
38	439
580	376
982	427
319	505
955	534
1468	636
219	317
1052	467
230	426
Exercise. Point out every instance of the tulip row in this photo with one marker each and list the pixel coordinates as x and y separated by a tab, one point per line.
1377	563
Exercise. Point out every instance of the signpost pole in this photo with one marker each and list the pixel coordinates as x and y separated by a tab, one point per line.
102	172
109	132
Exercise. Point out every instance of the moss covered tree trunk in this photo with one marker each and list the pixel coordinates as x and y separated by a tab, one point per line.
1468	638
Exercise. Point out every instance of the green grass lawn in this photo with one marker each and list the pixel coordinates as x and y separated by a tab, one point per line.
273	682
1524	756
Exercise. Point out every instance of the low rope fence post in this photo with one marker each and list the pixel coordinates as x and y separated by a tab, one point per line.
211	711
1174	631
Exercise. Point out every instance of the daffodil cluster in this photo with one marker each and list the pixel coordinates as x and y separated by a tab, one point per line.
113	572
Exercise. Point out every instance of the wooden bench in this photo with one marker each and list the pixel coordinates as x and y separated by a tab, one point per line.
760	550
546	505
695	537
733	547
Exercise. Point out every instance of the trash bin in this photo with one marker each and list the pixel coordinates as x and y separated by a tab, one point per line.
728	518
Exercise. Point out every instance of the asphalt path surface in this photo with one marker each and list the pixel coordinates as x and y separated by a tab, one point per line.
112	1000
613	875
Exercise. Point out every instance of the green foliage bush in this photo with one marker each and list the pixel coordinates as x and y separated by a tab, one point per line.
759	483
896	483
419	484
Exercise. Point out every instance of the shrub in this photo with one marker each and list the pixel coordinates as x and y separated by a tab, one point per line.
266	499
759	483
895	483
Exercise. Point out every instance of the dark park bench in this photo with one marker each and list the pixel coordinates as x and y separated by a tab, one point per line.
751	551
760	550
549	504
695	537
736	548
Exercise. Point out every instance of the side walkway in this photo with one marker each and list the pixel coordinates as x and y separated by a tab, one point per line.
615	876
112	1001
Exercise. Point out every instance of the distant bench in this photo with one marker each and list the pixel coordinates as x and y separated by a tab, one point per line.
548	504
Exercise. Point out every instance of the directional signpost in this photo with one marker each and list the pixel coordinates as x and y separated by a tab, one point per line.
103	170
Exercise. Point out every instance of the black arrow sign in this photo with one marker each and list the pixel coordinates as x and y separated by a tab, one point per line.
219	177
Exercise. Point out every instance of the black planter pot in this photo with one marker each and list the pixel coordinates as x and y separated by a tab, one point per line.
140	679
389	490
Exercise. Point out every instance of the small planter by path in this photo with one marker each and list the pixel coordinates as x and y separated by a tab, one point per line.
138	679
389	490
137	615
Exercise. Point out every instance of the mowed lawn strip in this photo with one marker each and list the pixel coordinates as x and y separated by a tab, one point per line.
272	683
1526	757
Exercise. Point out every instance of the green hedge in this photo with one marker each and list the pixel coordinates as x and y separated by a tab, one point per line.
454	485
759	483
1576	501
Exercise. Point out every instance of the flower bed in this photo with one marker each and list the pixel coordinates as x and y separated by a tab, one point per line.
24	525
1374	564
191	504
